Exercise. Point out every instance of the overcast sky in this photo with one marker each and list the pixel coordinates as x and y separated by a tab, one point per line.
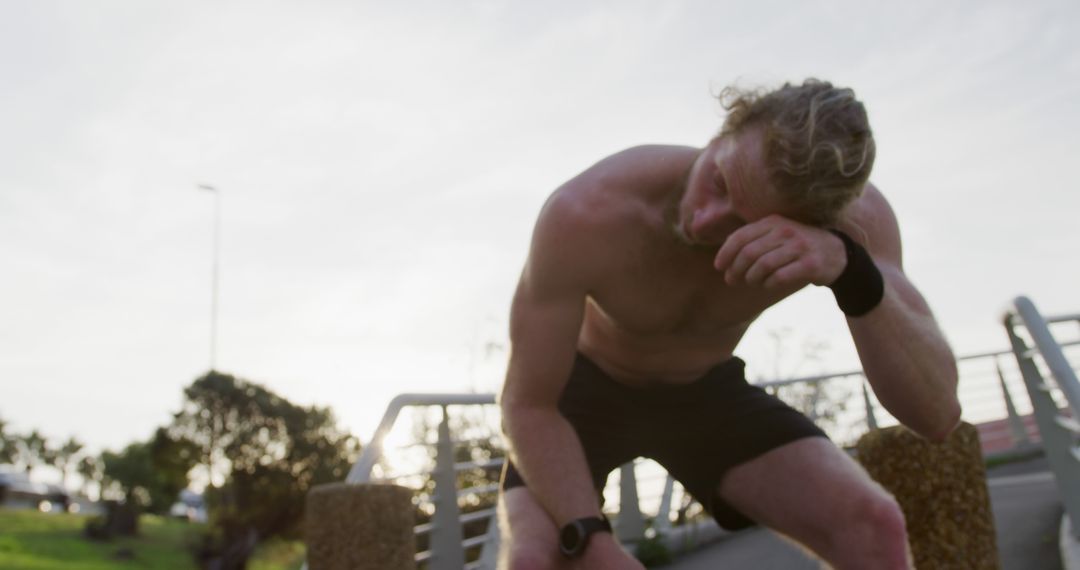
380	166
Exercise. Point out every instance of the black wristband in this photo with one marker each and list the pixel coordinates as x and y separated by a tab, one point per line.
860	287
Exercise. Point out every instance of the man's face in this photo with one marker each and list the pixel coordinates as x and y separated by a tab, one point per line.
727	188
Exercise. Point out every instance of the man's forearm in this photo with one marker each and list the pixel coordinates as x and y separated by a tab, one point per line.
548	453
908	361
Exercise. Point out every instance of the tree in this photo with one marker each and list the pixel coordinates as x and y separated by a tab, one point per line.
91	470
7	444
821	401
262	454
32	450
65	458
152	473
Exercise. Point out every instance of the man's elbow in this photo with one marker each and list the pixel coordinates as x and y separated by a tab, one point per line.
943	423
520	416
510	415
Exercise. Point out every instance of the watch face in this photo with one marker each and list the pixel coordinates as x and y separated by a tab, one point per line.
570	539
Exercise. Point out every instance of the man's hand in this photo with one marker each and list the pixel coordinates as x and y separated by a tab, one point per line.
778	253
604	551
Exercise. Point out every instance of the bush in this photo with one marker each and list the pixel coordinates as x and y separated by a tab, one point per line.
653	552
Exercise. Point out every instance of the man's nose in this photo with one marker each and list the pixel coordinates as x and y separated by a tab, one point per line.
712	216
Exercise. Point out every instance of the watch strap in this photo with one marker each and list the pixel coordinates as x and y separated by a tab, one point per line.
574	536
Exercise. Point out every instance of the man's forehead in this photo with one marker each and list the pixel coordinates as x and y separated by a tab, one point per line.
740	158
745	146
737	157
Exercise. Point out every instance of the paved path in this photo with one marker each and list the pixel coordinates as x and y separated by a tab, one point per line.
1026	508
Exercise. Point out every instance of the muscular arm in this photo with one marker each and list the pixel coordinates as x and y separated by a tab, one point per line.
545	321
904	354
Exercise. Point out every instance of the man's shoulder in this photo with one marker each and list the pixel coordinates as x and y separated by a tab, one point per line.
621	183
610	202
642	164
870	220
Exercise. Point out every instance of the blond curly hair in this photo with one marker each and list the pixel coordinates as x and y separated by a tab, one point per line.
819	149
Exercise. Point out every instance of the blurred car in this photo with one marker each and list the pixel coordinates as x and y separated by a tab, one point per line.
18	491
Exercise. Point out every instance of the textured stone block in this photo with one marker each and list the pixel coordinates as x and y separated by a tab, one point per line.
942	490
359	527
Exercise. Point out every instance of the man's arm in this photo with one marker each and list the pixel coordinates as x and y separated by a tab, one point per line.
545	322
905	356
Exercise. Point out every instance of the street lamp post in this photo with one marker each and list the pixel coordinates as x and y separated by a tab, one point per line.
214	275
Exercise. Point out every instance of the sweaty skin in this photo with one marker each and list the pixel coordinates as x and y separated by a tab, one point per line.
653	263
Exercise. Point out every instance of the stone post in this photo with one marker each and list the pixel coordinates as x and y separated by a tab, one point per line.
941	487
359	527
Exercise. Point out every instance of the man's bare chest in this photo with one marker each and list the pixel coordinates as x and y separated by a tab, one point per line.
662	297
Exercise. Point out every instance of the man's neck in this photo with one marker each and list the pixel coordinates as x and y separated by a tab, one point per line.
673	208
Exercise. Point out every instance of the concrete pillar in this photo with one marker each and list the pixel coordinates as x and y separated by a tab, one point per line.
359	527
941	487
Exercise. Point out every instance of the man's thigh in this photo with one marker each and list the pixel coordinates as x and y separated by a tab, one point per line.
803	489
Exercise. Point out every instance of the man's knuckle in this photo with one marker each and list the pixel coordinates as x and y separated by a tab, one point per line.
754	250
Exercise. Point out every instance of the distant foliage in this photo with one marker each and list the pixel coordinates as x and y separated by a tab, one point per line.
823	402
7	444
263	454
149	474
32	450
92	470
66	458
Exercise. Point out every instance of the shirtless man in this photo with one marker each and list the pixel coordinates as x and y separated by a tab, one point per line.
643	274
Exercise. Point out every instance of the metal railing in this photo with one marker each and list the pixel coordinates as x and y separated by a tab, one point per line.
988	385
447	545
1049	378
642	498
446	542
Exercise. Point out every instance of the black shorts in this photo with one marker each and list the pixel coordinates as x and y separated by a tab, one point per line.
697	431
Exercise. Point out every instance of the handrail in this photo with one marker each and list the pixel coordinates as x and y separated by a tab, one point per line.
361	471
1051	352
1058	432
449	546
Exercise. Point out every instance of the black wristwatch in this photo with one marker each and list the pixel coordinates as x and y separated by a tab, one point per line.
574	537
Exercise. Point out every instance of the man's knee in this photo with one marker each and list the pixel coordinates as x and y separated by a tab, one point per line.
873	527
881	514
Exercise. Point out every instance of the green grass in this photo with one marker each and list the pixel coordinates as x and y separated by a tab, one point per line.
1014	456
278	554
30	540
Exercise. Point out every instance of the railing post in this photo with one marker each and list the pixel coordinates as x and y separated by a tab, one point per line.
446	536
1016	423
1057	441
662	522
871	420
1051	353
629	525
489	553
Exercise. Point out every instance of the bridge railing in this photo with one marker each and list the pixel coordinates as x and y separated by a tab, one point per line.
442	538
459	526
1054	391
